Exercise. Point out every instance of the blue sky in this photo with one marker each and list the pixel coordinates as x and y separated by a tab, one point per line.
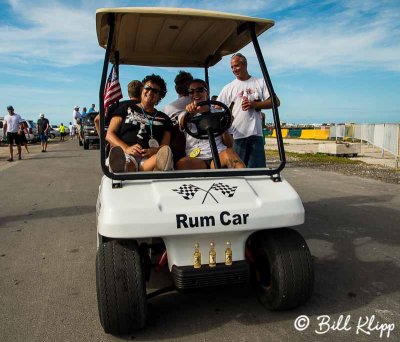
329	61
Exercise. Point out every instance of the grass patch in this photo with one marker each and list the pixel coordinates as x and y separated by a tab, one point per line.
316	158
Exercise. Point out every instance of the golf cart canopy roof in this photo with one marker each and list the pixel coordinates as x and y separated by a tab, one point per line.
174	37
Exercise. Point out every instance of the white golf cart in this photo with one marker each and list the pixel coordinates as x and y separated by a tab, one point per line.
186	220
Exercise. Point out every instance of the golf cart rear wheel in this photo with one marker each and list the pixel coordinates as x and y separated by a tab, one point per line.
80	142
86	144
282	271
121	287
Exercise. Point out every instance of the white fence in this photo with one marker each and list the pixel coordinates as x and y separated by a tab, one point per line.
384	136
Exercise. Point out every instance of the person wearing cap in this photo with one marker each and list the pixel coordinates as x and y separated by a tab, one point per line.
10	129
43	127
77	117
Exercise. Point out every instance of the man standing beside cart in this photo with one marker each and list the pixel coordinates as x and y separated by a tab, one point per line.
249	95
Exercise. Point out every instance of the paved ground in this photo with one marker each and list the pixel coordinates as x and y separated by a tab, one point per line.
48	245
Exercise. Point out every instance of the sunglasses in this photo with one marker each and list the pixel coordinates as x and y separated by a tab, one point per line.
197	90
154	90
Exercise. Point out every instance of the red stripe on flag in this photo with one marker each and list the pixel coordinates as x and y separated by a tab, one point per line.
112	91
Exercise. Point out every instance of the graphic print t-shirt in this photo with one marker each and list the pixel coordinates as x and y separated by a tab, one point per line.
135	127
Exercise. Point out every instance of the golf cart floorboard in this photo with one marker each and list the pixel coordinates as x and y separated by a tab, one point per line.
188	277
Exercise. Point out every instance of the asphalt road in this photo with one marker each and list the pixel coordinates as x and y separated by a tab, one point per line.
48	246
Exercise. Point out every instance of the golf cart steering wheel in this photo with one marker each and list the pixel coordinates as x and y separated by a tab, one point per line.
208	123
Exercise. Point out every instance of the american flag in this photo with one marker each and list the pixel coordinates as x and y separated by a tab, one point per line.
112	91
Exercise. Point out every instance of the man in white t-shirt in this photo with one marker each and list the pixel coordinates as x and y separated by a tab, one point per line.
77	117
249	95
10	129
198	151
177	107
174	109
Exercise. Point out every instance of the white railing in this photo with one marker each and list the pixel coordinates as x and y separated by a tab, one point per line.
384	136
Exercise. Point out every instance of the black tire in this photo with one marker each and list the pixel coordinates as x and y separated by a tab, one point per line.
282	271
80	142
86	144
121	287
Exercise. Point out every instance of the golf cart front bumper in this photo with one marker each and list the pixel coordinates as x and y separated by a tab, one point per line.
187	277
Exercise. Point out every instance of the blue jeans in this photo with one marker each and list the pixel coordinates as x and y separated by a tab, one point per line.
251	151
43	137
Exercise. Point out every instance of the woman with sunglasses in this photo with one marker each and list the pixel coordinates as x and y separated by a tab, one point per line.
140	134
198	152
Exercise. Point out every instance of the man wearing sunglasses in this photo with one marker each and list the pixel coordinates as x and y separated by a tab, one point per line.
249	95
198	151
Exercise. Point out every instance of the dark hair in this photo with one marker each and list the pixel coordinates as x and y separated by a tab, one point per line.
182	81
134	88
198	80
157	80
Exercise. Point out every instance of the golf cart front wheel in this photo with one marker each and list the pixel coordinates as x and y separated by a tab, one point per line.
121	287
86	144
282	269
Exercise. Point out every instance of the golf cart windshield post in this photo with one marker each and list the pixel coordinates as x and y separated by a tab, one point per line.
206	71
101	96
275	113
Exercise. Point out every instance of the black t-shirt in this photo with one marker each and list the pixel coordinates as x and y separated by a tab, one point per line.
135	127
119	109
42	125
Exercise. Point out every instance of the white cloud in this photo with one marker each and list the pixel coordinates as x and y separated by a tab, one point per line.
351	35
51	33
347	40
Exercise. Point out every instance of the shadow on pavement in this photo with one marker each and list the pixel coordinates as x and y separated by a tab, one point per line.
48	213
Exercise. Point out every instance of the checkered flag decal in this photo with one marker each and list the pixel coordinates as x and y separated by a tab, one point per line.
226	190
187	191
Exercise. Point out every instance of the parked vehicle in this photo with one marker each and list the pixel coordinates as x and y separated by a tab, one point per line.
205	227
53	132
90	136
31	136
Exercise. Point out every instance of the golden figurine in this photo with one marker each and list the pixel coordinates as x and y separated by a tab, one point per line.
212	256
196	256
228	254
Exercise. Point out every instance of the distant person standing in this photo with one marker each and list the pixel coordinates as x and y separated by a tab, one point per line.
77	117
10	129
23	130
248	95
92	108
71	131
84	113
43	126
62	131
